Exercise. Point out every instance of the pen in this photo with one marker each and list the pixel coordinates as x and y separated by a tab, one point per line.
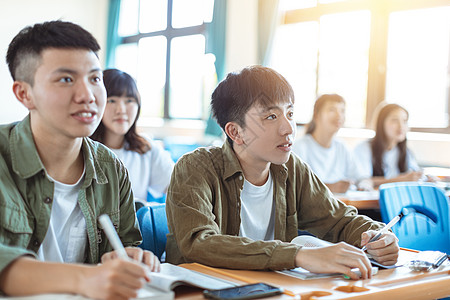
384	230
439	262
113	237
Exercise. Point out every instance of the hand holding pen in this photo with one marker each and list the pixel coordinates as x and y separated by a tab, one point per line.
384	230
149	260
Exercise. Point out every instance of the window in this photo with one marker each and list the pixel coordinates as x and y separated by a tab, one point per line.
163	48
368	51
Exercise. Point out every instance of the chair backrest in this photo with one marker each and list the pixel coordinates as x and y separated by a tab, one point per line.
425	225
154	229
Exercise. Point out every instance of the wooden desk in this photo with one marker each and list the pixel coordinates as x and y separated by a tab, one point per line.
399	283
360	200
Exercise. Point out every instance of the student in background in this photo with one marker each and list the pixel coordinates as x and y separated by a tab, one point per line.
386	157
148	164
327	156
239	206
55	182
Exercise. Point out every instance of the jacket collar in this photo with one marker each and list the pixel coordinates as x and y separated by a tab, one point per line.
27	163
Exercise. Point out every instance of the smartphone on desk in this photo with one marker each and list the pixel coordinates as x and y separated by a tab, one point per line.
249	291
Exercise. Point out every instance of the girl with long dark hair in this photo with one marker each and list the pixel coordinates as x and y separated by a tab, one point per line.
149	165
386	157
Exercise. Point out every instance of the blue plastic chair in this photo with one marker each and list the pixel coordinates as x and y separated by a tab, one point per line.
425	225
177	148
153	224
152	198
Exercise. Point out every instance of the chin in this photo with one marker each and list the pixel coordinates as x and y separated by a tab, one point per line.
280	161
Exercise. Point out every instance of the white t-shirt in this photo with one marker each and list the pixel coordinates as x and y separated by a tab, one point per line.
363	158
330	164
66	237
150	171
257	211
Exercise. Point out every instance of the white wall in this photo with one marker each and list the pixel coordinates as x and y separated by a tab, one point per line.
17	14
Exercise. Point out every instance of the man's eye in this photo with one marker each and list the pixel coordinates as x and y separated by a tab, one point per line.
291	114
271	117
66	79
96	79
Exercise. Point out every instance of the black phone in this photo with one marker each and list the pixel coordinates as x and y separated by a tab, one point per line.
249	291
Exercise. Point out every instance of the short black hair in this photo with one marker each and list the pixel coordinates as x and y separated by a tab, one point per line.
236	94
24	51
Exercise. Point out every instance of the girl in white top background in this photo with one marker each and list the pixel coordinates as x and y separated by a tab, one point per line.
149	165
328	157
386	157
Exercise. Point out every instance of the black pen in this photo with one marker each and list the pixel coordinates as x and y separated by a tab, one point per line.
384	230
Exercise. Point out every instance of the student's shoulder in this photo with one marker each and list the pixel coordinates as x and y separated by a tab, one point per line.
100	152
5	136
296	165
363	146
210	154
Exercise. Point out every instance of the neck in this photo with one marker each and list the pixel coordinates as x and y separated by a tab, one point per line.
62	159
114	141
255	171
391	145
324	139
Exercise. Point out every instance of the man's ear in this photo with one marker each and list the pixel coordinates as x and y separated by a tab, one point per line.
233	130
22	91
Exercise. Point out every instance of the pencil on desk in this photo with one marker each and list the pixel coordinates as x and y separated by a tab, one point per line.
238	277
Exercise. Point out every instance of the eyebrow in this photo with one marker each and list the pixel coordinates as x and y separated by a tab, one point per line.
71	71
268	108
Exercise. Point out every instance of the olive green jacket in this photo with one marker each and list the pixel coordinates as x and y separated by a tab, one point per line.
26	196
203	211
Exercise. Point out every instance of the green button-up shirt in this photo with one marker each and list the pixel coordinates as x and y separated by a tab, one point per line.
203	210
26	196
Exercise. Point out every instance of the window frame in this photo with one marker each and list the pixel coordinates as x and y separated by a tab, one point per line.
169	33
380	11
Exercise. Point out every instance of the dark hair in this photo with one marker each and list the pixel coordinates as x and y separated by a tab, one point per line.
24	51
235	95
119	83
379	143
318	105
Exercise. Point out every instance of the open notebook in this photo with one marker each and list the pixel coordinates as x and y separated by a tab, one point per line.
162	284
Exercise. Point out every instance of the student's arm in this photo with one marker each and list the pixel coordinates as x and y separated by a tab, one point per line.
339	187
116	279
407	176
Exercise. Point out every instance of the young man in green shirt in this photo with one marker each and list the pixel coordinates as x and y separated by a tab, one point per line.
239	205
55	182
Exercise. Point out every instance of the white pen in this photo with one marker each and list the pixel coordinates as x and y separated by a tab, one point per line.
384	230
112	236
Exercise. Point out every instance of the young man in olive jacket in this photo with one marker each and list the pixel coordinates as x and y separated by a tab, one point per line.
239	205
55	182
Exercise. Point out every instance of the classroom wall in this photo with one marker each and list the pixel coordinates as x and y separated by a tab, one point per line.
17	14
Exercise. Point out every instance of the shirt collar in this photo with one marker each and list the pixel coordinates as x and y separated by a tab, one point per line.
26	161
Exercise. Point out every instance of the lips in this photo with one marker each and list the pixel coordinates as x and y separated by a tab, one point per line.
285	147
85	116
120	120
